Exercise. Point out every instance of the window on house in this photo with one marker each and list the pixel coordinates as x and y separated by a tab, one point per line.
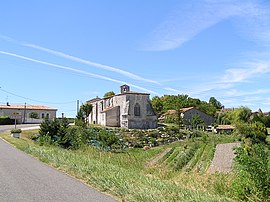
137	110
42	115
47	115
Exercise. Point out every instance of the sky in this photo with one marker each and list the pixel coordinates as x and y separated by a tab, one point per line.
54	53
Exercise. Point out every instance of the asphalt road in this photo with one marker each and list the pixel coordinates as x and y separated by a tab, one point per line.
9	127
23	178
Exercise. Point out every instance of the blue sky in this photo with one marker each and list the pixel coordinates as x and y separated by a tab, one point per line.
56	52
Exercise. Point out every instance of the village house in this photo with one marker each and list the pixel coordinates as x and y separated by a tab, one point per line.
187	114
127	110
27	113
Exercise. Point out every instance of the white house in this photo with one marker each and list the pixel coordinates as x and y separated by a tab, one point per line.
22	113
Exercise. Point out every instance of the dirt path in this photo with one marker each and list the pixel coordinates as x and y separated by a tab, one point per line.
223	158
160	156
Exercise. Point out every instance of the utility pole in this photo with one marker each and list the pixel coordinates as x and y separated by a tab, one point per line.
78	106
24	112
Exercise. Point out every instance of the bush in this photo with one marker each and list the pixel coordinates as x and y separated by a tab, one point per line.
253	180
256	131
55	129
5	120
75	137
185	157
16	131
107	140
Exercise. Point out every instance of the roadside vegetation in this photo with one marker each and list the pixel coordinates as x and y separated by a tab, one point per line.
127	174
132	165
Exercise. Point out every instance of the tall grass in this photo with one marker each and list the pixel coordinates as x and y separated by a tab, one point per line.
123	175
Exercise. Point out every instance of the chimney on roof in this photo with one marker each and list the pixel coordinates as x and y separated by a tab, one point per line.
8	104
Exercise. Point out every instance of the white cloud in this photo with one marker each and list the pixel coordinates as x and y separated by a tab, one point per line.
173	90
235	75
198	15
75	70
237	93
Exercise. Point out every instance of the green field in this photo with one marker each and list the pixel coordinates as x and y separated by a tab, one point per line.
181	175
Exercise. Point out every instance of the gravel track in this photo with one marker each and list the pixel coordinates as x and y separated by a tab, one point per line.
223	158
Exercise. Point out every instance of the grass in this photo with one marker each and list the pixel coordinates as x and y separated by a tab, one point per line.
126	175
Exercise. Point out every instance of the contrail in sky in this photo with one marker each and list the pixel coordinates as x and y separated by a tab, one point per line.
87	62
75	70
73	58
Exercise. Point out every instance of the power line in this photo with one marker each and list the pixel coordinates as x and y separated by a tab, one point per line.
35	99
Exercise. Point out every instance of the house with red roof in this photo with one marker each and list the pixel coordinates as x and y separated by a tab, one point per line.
27	113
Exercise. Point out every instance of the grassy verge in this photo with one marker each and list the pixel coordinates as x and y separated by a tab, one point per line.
126	175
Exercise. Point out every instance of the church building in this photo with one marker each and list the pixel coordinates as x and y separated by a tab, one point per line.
127	110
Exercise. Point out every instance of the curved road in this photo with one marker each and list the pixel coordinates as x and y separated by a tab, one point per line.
23	178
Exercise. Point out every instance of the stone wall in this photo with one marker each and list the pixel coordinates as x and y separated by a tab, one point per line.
112	117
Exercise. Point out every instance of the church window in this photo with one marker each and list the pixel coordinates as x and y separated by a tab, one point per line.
137	110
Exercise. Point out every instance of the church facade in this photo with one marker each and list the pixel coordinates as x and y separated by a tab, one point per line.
128	109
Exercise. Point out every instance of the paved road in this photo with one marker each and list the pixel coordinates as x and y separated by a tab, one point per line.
23	178
223	158
9	127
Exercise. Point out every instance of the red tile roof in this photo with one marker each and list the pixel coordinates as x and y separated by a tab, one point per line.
186	109
225	127
34	107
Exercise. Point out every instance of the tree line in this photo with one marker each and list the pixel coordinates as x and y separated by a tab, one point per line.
175	102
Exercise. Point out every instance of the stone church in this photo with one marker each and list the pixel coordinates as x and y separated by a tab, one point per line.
127	110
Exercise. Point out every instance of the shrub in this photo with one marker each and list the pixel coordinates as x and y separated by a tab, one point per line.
256	131
55	129
5	120
75	137
184	157
106	139
253	180
16	131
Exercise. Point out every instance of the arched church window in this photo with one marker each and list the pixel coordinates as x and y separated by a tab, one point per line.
137	110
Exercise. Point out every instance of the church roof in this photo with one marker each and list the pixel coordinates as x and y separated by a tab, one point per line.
134	93
94	100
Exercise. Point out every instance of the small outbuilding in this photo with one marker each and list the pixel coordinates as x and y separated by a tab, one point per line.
227	129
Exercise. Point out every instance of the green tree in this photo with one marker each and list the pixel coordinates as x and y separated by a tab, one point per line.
241	114
196	120
157	105
213	101
109	94
256	132
33	115
253	179
83	114
86	109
